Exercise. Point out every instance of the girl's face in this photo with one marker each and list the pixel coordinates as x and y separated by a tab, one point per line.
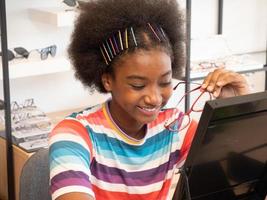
140	87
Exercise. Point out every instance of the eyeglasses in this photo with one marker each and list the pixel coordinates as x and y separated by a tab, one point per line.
27	117
19	52
47	50
184	119
71	3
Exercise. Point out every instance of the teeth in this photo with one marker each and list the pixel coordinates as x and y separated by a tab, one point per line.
149	109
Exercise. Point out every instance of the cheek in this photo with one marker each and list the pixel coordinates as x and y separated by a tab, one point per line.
167	93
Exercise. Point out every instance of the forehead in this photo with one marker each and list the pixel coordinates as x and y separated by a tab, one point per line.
144	63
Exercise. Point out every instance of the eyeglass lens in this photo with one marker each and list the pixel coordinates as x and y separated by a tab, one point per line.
22	51
71	3
48	50
19	51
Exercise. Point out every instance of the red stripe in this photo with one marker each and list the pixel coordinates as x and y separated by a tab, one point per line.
188	140
101	194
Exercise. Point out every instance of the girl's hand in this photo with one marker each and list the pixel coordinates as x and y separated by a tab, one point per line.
223	83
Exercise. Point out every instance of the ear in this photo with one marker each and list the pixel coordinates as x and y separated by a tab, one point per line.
107	82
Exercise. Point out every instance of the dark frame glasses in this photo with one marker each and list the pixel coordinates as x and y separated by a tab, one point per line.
44	52
71	3
19	52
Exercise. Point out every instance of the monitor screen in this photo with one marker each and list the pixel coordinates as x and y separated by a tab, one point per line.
228	156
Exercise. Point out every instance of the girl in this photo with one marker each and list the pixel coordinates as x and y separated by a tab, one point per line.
121	149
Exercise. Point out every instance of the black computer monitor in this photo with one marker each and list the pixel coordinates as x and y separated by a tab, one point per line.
228	156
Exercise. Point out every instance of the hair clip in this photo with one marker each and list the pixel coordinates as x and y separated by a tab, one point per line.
109	49
103	55
106	52
163	33
154	31
126	38
116	45
112	46
120	40
134	39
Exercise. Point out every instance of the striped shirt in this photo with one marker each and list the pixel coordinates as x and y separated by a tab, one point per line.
90	154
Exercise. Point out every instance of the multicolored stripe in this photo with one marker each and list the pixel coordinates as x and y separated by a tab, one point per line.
90	154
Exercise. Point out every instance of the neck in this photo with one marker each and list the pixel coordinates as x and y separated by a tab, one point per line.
129	127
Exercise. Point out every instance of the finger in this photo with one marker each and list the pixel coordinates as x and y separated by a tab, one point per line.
206	81
213	78
230	77
233	81
221	82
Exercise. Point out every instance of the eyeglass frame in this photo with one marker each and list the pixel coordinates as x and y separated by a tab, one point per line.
187	113
44	52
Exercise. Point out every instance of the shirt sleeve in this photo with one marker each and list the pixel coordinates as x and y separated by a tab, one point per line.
70	153
187	139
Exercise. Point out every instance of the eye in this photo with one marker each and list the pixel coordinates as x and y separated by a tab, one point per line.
137	87
165	84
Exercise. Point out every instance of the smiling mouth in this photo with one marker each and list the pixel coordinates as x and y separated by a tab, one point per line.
150	110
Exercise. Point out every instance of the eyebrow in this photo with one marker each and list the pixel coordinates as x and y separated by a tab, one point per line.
144	78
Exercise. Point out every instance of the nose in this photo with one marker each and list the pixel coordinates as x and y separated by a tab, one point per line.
153	97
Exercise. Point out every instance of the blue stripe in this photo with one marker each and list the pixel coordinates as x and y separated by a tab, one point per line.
59	150
136	160
54	161
159	141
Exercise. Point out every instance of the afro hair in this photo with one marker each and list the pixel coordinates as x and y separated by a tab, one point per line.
98	19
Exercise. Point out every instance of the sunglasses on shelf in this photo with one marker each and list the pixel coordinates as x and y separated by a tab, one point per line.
71	3
18	52
46	51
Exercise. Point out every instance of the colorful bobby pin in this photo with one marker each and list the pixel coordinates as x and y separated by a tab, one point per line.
152	29
117	43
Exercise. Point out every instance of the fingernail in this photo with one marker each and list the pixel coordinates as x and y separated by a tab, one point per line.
204	85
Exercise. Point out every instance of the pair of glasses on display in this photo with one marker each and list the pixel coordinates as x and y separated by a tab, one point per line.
20	52
44	52
200	97
27	117
211	64
17	52
71	3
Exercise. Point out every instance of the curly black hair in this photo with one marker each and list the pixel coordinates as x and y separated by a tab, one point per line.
99	19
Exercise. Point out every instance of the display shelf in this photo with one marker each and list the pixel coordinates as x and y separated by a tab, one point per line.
19	68
56	16
241	63
240	69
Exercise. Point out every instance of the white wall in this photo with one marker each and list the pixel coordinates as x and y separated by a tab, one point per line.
54	91
245	25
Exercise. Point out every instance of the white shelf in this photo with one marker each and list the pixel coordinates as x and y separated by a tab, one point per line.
233	68
19	68
240	63
56	16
